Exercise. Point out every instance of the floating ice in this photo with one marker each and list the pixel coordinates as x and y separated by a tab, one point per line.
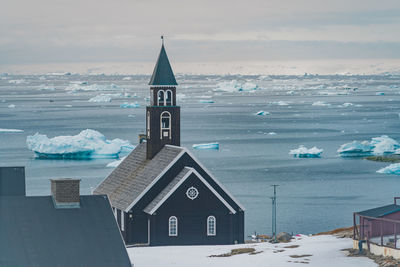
127	78
377	146
262	113
101	98
379	93
115	163
11	106
345	105
10	131
272	133
204	101
303	152
129	105
75	87
210	146
180	96
46	88
321	104
20	81
235	86
280	103
87	144
391	169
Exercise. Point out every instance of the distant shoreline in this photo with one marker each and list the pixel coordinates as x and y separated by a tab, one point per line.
386	158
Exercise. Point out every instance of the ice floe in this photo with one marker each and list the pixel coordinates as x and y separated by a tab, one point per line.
280	103
206	101
391	169
304	152
379	93
87	144
129	105
46	88
100	98
20	81
262	113
11	106
115	163
210	146
235	86
321	104
377	146
10	130
127	78
76	87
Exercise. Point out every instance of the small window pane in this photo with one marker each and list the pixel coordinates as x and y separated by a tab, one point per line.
161	98
211	225
169	98
173	226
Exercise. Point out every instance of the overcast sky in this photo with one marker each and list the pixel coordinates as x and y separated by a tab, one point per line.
49	31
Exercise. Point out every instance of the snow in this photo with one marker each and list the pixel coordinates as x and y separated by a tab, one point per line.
129	105
303	152
101	98
76	87
391	169
321	104
209	146
86	145
235	86
325	251
262	113
115	163
10	130
377	146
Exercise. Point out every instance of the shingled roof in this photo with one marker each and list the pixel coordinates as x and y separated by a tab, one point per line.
163	74
35	233
135	173
380	211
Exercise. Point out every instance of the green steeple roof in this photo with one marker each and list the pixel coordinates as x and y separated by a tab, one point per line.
163	74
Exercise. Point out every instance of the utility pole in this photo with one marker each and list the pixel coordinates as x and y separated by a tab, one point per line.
274	213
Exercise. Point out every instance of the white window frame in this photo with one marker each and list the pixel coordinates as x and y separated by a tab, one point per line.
170	220
209	220
158	98
148	124
166	96
169	125
115	212
122	220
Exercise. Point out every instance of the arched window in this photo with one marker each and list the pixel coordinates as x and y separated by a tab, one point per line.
165	125
148	124
211	225
168	99
161	98
173	226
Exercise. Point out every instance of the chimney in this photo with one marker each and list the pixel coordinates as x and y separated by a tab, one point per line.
65	193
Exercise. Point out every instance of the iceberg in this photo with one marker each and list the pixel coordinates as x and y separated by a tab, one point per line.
115	163
345	105
262	113
303	152
391	169
129	105
88	144
10	131
280	103
102	98
379	93
235	86
206	101
20	81
11	106
127	78
321	104
209	146
377	146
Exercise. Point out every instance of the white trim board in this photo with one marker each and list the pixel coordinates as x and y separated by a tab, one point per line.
136	200
184	178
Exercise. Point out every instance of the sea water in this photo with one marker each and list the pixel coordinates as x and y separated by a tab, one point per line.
314	194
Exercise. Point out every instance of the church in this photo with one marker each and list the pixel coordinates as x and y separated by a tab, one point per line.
160	193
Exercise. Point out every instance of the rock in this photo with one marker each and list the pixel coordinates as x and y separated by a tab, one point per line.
284	237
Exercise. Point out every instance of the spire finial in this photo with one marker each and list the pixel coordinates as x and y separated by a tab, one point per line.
162	39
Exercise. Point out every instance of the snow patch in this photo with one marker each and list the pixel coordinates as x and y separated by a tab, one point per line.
87	144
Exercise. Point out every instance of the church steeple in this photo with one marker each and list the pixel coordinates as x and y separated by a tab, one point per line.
163	114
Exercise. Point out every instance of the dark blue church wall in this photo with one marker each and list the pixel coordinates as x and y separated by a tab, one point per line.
192	217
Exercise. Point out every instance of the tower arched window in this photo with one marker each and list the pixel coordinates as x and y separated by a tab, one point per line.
168	98
161	97
211	226
165	125
173	226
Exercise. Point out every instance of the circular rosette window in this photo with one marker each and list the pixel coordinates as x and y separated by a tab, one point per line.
192	193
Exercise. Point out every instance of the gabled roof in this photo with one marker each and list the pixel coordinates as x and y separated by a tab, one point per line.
162	73
34	233
174	185
380	211
135	174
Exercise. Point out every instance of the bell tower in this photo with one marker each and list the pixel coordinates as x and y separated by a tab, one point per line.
163	113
